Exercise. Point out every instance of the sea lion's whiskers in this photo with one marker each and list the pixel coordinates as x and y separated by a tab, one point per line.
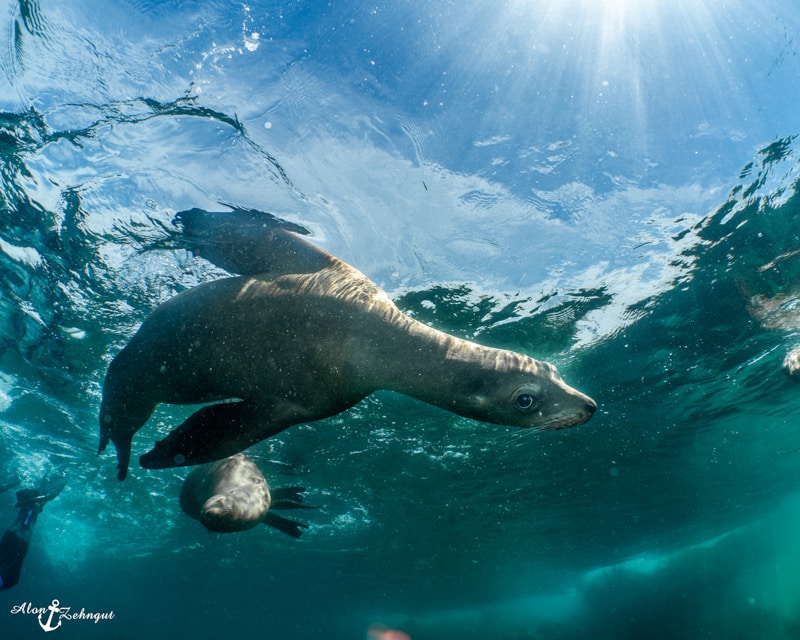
515	437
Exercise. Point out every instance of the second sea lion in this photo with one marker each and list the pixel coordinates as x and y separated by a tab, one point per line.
233	495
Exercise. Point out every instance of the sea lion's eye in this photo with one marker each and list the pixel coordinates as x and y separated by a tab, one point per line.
525	402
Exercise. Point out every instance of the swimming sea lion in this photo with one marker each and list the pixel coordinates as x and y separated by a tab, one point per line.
298	337
776	312
791	364
232	495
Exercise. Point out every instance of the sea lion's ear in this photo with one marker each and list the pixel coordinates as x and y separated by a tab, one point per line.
249	242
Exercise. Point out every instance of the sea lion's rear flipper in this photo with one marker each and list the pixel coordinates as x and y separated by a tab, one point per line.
249	242
287	498
284	525
214	432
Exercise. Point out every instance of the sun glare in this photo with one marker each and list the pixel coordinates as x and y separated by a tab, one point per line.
625	60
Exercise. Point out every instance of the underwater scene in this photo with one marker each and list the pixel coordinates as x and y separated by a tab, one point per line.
607	186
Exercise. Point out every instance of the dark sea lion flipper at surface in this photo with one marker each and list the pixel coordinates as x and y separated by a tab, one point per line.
248	242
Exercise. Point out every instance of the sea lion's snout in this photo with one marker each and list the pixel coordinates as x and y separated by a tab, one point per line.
584	408
566	406
570	409
586	411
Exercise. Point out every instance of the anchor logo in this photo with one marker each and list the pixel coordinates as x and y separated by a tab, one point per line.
53	609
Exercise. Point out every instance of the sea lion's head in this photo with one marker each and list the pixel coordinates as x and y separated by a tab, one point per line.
515	390
223	513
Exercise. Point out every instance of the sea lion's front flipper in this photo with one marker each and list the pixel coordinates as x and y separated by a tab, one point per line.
123	443
249	242
284	525
212	433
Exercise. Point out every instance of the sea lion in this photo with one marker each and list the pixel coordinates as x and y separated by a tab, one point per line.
778	311
232	495
298	337
791	364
